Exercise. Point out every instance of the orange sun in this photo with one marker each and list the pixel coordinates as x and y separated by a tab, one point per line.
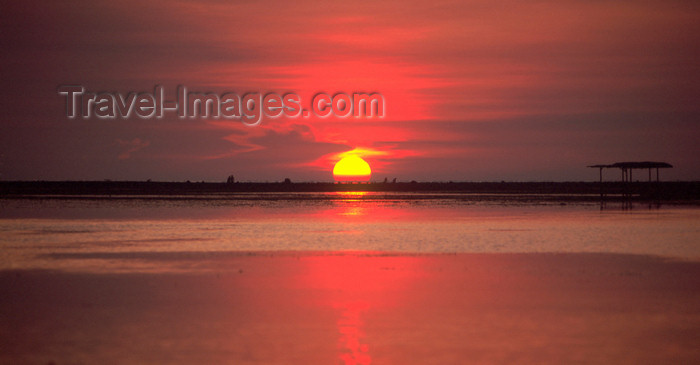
351	168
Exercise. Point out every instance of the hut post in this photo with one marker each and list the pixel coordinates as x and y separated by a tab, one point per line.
600	172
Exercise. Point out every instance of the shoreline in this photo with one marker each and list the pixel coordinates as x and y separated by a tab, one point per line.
671	193
667	191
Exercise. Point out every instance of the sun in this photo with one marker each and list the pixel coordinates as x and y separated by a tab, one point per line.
351	168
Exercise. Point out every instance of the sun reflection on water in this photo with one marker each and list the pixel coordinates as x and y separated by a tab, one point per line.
352	345
358	287
351	204
350	195
361	206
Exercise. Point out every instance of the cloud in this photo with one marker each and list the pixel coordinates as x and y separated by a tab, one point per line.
131	147
473	89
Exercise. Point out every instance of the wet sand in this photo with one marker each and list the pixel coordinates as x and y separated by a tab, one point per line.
355	308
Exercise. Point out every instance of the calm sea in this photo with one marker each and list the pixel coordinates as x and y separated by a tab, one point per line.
345	279
118	234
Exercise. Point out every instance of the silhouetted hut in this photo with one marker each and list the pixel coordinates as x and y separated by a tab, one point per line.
627	167
626	170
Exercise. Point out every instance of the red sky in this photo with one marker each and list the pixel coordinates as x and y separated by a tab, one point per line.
474	90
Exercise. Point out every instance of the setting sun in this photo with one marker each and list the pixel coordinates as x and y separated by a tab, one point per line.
351	168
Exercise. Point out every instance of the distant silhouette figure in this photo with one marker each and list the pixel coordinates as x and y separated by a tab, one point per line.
230	179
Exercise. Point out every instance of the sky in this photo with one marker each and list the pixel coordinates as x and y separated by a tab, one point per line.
473	90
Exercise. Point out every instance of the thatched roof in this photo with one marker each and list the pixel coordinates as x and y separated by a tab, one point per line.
636	165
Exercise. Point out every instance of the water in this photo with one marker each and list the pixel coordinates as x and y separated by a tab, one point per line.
92	233
347	278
